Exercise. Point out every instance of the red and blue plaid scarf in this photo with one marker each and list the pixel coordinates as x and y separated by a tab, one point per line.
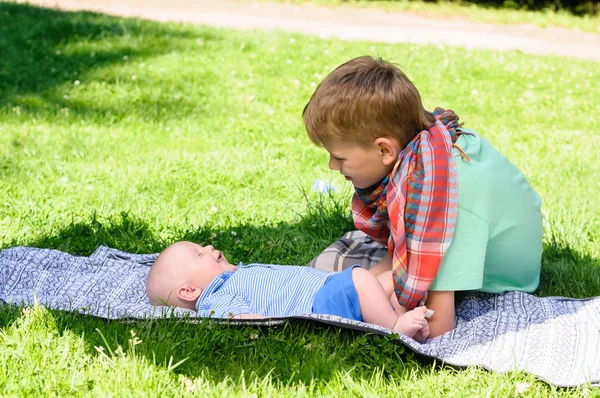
417	202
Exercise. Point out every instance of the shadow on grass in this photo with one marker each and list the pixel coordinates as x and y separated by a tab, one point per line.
288	354
575	7
43	49
295	352
568	272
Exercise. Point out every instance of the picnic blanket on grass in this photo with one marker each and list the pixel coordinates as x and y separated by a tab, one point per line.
555	338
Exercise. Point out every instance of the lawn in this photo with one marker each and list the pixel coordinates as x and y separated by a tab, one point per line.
137	134
473	11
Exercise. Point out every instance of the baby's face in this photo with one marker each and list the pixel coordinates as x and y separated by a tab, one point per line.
182	271
204	259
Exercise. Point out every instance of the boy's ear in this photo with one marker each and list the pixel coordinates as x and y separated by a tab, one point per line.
388	148
189	293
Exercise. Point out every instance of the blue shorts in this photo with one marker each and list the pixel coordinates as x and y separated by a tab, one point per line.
338	296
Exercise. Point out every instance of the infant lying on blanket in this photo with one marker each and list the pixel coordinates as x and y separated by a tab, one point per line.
198	277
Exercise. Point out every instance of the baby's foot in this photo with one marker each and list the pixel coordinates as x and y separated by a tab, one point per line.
411	322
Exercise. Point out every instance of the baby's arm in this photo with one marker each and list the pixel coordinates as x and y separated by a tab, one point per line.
249	316
231	306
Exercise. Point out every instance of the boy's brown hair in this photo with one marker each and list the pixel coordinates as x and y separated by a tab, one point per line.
362	100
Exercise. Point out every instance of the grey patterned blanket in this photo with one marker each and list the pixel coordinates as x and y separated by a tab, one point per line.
555	338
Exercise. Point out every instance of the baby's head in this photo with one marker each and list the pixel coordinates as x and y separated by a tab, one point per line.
182	271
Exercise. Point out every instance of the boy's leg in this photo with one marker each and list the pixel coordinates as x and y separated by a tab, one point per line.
375	306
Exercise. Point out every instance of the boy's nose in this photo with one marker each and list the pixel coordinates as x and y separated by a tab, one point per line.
333	164
209	248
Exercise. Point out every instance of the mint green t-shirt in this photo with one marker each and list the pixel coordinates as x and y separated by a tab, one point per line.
497	243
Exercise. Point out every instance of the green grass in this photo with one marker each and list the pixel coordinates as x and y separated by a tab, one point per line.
445	9
180	132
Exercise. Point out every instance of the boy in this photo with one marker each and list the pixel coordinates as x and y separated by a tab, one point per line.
191	276
454	213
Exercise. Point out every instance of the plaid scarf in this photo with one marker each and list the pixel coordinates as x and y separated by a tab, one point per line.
417	202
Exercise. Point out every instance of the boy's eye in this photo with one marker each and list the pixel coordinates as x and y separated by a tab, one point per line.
338	159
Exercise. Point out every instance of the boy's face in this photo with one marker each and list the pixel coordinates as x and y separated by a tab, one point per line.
364	167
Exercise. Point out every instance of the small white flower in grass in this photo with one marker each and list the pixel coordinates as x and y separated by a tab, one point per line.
213	235
308	347
237	241
189	385
77	82
100	349
521	387
270	111
125	57
306	58
93	54
313	84
26	311
133	77
57	52
292	40
233	233
134	340
288	61
66	97
213	209
254	336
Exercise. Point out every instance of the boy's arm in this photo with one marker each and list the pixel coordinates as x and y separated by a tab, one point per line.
442	302
385	264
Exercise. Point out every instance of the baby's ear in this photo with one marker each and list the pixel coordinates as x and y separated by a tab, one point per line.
189	293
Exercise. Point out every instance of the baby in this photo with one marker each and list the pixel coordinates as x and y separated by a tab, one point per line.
198	277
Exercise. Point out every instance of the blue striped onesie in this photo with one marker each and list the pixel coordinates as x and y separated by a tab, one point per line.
269	290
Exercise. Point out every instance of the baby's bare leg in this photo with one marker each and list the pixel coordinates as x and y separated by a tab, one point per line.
375	305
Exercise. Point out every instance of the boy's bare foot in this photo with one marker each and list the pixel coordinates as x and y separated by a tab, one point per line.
412	322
